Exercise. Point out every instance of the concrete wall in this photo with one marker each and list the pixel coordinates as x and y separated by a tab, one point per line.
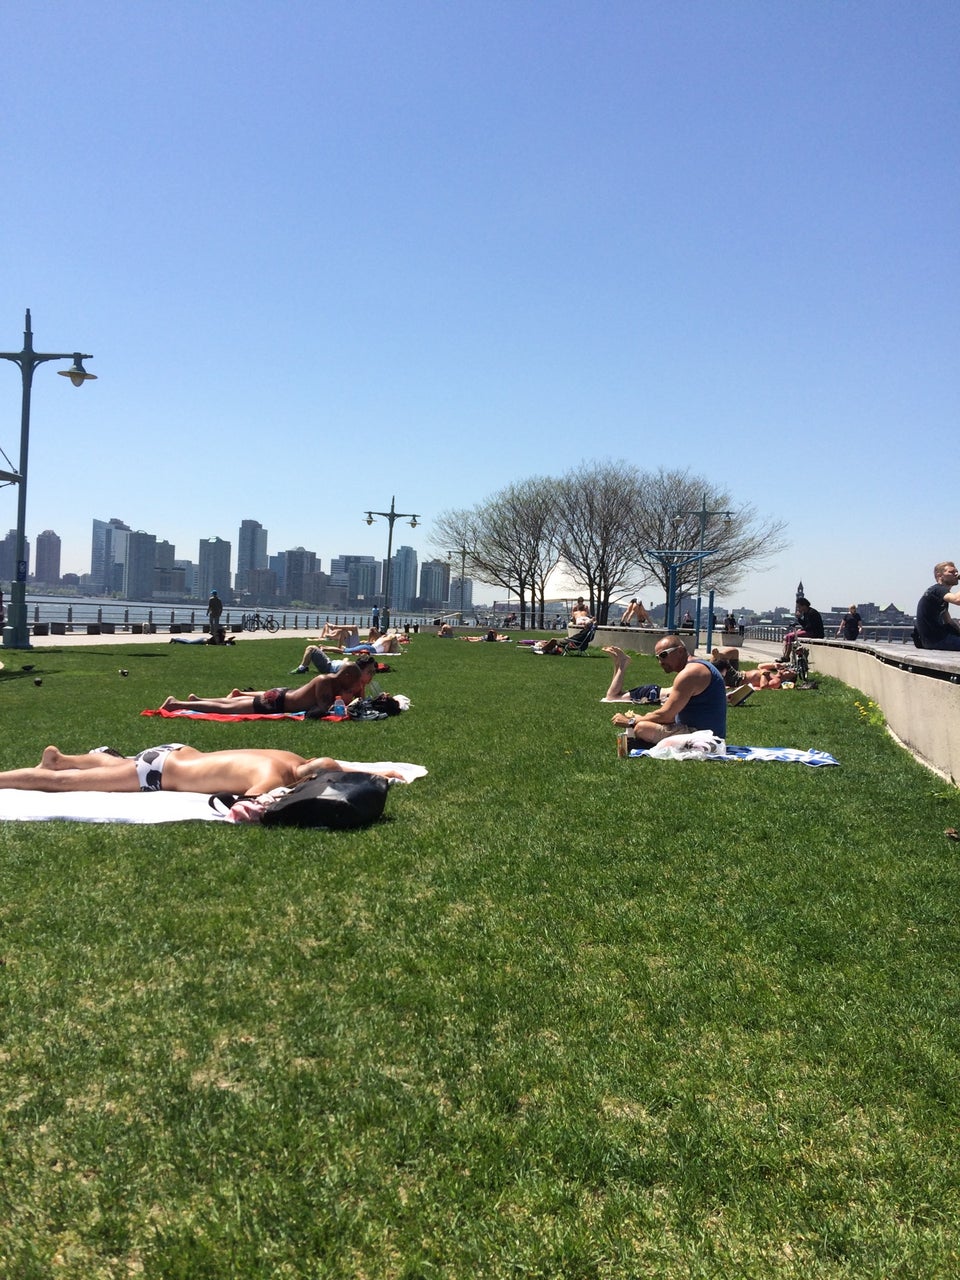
639	639
923	711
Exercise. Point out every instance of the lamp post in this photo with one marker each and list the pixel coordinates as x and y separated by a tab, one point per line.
703	516
392	516
461	551
16	636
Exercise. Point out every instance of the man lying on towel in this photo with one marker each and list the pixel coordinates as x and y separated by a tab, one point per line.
696	700
316	697
243	771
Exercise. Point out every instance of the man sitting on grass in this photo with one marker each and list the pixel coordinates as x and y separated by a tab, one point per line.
243	771
316	697
696	700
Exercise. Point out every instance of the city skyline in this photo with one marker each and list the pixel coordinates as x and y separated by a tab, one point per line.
343	562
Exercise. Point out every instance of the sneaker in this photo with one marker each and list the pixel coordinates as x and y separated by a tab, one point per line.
298	671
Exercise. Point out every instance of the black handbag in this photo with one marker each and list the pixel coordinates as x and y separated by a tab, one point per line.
332	798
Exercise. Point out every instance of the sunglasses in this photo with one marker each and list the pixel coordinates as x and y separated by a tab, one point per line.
673	649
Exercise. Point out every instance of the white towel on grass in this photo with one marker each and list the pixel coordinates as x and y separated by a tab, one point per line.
140	806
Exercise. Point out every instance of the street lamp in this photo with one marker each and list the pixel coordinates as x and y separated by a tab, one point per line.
462	553
703	515
392	516
16	636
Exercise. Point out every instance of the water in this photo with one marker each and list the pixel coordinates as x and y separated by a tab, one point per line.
82	611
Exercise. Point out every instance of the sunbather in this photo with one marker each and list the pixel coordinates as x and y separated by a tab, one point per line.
492	636
314	655
340	635
316	697
245	771
374	643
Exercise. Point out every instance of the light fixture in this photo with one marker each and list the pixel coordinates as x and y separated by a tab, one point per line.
77	373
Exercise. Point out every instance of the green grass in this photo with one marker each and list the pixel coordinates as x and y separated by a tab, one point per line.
560	1015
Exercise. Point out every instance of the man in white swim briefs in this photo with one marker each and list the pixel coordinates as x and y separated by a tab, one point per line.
245	771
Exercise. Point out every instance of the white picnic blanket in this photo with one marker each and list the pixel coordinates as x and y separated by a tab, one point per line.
140	806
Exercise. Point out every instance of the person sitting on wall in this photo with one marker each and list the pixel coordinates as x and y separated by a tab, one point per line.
937	628
808	623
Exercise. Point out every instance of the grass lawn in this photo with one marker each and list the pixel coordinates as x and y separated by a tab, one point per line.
559	1015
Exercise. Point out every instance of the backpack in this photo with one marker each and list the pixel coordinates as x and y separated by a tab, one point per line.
331	798
377	708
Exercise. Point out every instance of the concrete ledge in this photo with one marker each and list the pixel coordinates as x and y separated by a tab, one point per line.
639	639
918	691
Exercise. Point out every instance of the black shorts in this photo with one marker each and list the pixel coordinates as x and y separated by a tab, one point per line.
273	702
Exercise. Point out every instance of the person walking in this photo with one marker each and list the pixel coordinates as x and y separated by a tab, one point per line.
214	610
850	624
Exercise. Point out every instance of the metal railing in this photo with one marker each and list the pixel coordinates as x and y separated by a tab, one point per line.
870	633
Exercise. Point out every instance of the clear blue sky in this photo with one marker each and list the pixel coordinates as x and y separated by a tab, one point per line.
326	253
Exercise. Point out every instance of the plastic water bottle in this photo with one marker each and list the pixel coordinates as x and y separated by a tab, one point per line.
339	707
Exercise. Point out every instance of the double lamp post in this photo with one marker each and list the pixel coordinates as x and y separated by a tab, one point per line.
392	516
16	635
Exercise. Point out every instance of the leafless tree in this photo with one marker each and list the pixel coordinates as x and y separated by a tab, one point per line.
508	540
596	522
678	513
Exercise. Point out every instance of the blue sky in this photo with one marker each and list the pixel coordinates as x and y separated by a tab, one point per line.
328	253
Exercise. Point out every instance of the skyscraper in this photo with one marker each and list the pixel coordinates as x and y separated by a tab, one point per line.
403	579
48	558
8	556
434	583
299	567
213	569
358	575
251	551
102	555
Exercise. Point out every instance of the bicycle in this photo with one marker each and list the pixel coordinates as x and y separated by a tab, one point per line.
254	621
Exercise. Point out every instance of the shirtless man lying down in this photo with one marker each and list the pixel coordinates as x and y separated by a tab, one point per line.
244	771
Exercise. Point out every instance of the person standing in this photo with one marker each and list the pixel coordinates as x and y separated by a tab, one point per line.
938	630
850	624
214	610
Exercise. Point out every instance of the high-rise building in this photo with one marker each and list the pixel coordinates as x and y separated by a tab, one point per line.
102	557
261	585
8	557
251	551
278	565
458	602
213	571
166	554
358	576
434	584
299	565
189	577
403	579
140	565
48	558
